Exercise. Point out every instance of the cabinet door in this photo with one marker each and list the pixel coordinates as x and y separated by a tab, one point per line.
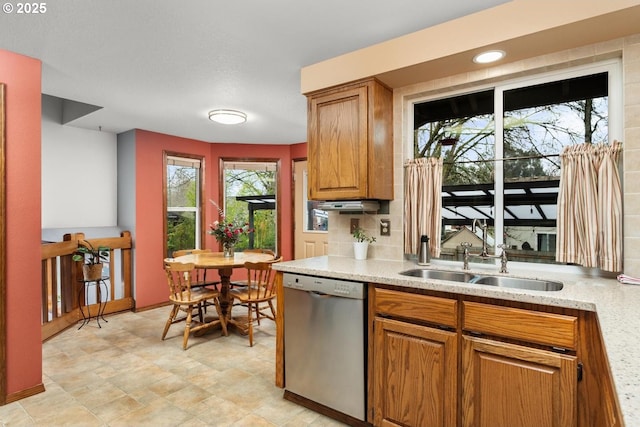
507	385
338	140
415	375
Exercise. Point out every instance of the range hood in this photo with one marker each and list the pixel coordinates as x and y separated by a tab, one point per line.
350	206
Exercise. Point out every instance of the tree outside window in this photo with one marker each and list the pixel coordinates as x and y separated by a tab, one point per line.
250	190
517	172
183	220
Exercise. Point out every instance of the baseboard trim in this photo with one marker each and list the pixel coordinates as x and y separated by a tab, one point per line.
32	391
151	307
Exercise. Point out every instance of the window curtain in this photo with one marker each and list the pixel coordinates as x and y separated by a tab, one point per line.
589	223
423	203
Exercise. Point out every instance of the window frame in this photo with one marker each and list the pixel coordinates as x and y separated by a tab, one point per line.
612	67
200	220
278	173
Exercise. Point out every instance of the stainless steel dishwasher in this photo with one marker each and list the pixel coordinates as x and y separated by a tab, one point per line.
324	335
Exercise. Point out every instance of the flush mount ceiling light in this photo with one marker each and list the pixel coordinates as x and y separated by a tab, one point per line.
489	56
227	117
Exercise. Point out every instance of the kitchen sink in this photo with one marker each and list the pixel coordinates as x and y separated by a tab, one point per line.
454	276
500	281
518	283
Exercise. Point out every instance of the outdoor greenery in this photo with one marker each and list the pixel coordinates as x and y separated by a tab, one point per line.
181	192
182	199
228	231
248	182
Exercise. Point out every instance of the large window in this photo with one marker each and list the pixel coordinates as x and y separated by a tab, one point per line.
183	202
500	148
250	195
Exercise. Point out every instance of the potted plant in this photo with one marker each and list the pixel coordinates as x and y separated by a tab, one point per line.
361	244
93	259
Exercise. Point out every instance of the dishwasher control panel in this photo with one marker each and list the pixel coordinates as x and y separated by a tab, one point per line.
325	285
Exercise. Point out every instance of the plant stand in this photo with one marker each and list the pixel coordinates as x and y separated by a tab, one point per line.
101	305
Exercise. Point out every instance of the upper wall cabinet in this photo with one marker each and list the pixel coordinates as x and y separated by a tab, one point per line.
350	142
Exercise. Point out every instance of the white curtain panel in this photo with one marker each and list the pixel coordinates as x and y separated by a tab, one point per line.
423	204
589	224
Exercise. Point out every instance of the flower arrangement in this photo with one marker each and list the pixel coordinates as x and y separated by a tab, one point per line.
227	232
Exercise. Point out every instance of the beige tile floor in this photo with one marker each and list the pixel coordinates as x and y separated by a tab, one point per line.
124	375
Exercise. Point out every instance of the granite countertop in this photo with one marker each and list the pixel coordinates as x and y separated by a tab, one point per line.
617	305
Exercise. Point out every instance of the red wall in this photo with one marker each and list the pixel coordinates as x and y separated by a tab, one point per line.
299	151
150	285
150	282
22	77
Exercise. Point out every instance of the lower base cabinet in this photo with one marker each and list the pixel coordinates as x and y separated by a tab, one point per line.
506	385
448	362
415	378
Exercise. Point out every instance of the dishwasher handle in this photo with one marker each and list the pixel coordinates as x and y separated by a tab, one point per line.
316	294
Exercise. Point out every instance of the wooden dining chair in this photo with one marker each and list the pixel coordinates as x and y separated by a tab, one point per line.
200	274
188	300
243	283
260	289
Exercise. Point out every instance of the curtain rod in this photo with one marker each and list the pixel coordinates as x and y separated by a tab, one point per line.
616	145
542	156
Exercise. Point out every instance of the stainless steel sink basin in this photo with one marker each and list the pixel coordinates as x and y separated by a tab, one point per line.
514	282
501	281
454	276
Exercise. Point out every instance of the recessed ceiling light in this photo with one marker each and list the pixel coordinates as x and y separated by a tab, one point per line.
227	117
489	56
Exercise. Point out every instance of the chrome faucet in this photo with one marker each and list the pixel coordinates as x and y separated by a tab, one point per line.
484	254
483	226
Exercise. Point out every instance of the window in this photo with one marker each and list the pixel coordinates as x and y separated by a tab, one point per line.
500	148
250	194
183	201
315	219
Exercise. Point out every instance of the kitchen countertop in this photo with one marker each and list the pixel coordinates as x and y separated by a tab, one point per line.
617	305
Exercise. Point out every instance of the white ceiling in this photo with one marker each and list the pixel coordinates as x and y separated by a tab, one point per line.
161	65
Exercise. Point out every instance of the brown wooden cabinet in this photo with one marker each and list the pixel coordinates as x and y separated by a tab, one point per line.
524	384
350	142
415	379
441	361
507	385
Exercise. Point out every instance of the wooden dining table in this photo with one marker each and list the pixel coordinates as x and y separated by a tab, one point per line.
225	266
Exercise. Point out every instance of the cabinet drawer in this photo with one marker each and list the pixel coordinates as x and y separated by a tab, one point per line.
532	326
440	311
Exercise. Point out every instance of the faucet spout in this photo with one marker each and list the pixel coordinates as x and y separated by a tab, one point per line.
483	226
485	251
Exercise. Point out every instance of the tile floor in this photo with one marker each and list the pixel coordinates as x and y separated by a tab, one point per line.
124	375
